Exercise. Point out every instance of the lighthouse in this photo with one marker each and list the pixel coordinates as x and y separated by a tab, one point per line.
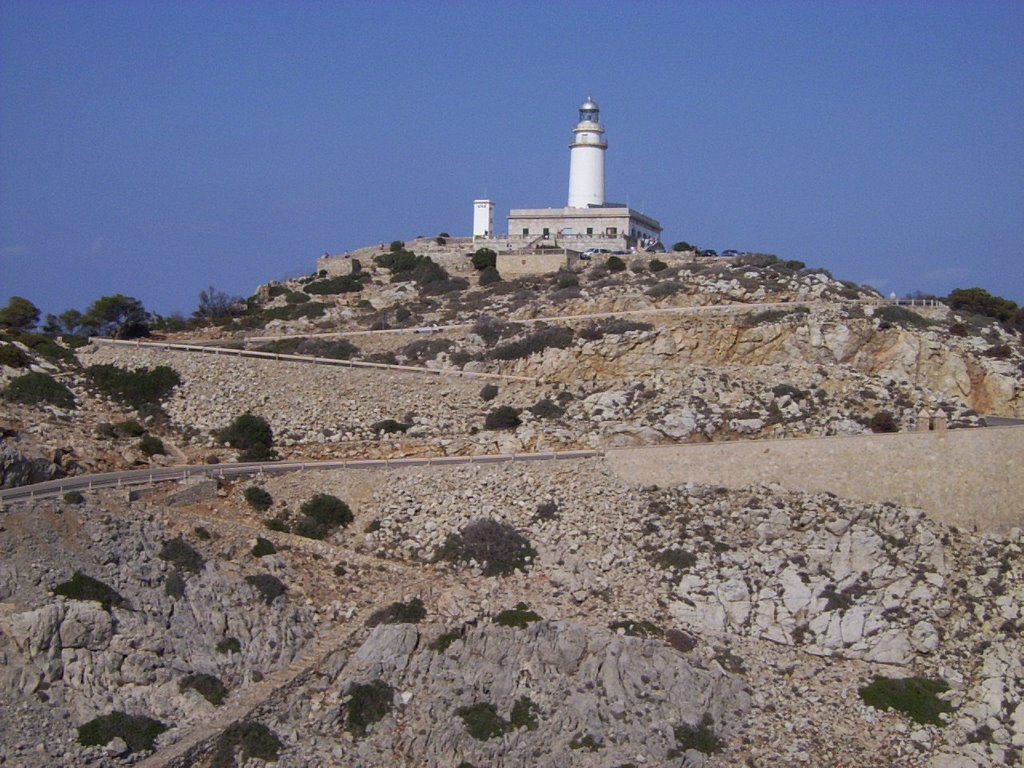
588	222
586	158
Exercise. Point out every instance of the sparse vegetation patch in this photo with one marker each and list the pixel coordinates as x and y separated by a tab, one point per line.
519	617
412	612
83	587
917	697
209	687
251	739
499	547
138	731
368	703
36	387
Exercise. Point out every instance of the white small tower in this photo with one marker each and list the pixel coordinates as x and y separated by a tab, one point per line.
483	218
586	158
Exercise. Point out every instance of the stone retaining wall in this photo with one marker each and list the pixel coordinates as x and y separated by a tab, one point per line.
970	478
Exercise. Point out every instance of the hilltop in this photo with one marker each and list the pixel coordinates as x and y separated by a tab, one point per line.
532	613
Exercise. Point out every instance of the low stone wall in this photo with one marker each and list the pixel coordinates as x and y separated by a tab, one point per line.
518	264
970	478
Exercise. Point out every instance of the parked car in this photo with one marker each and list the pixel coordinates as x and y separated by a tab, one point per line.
730	253
590	253
657	247
709	253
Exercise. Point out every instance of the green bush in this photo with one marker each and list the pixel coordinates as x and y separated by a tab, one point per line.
325	513
229	645
389	427
524	714
335	285
263	547
74	497
150	445
558	337
425	349
309	309
334	349
138	731
412	612
277	524
498	546
489	276
396	245
978	301
502	417
174	586
699	737
657	265
20	314
676	559
135	388
546	409
482	721
485	258
519	617
251	435
182	555
774	315
488	392
681	246
12	356
893	314
82	587
254	740
269	587
368	703
296	297
207	686
35	387
441	642
258	498
615	264
130	428
916	697
612	326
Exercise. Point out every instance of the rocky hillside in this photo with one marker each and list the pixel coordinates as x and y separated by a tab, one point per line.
536	613
678	626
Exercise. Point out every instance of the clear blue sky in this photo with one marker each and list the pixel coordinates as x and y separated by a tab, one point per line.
155	148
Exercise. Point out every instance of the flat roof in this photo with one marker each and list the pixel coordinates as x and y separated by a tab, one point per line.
591	212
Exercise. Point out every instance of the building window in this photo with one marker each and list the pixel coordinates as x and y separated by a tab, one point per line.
546	232
612	231
526	231
590	230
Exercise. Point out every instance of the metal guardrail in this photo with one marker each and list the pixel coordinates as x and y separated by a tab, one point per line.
144	477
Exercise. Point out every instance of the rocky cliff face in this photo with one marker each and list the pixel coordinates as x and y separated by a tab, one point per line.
17	469
561	693
179	616
933	360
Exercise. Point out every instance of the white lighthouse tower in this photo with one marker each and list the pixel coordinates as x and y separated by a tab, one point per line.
586	158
